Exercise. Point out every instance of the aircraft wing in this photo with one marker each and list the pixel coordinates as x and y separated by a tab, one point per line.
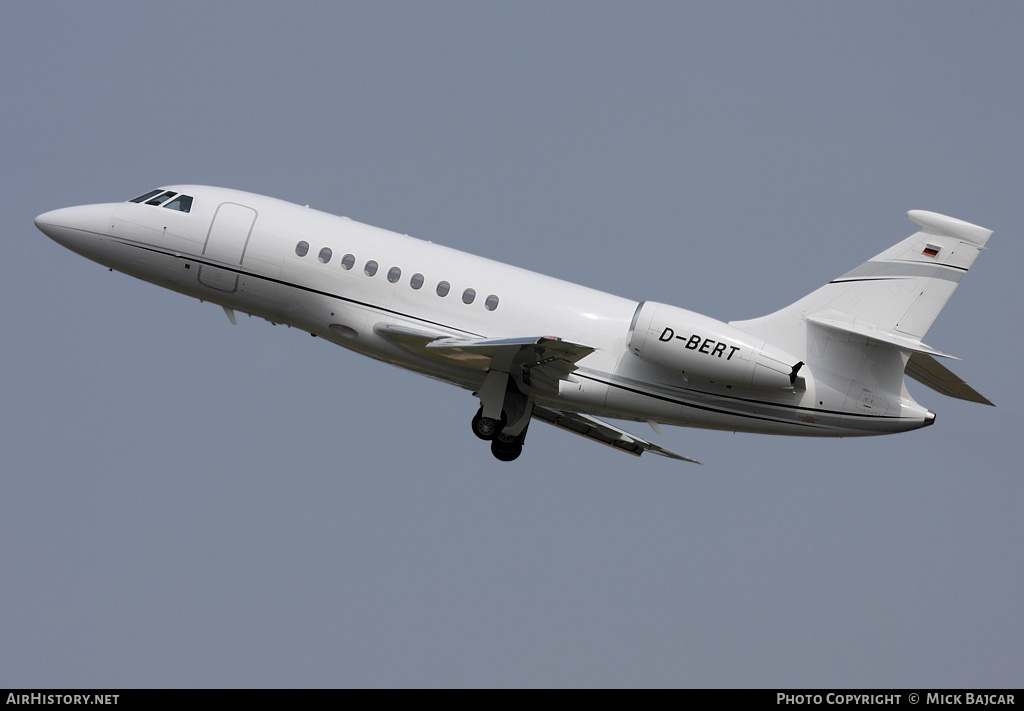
928	371
542	360
600	431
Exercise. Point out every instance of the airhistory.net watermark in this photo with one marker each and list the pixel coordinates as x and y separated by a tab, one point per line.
62	699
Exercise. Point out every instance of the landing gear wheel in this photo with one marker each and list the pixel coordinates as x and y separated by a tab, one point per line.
506	452
507	439
487	428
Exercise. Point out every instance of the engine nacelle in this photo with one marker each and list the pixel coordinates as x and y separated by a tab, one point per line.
702	347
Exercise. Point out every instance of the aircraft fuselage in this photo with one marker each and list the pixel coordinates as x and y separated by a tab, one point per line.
387	295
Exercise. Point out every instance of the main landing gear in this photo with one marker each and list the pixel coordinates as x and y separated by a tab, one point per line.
487	428
507	416
504	446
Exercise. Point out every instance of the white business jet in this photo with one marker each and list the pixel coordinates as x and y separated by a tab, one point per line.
533	347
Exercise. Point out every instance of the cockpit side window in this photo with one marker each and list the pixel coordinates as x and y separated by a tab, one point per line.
147	196
160	199
182	203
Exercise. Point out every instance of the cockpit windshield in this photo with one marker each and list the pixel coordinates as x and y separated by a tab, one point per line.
147	196
161	198
181	203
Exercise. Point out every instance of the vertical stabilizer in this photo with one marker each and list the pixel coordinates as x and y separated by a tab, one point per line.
862	331
897	293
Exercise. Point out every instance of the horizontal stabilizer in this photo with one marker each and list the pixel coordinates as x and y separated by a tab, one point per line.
843	323
944	226
926	370
600	431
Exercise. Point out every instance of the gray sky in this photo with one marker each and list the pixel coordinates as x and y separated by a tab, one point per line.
187	503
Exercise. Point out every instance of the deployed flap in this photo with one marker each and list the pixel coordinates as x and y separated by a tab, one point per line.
600	431
928	371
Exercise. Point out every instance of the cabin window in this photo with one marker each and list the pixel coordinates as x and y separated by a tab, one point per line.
147	196
491	302
468	296
302	248
348	261
182	203
443	288
417	281
370	269
160	199
394	274
325	255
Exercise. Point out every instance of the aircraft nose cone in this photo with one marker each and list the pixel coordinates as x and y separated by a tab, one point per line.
47	221
77	228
